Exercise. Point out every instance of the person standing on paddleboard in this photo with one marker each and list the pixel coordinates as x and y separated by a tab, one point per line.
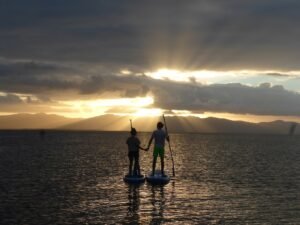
133	152
159	137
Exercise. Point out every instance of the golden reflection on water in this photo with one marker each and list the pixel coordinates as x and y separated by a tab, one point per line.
236	179
147	204
158	203
134	202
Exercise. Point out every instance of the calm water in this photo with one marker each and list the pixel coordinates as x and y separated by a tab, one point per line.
76	178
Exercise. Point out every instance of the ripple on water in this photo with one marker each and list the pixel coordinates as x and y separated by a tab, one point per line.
76	178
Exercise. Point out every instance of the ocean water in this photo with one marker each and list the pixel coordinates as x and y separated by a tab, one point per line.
76	178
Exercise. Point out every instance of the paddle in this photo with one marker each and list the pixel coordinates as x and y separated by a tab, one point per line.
131	129
173	167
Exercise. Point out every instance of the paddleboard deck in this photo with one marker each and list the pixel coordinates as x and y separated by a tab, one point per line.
134	179
158	178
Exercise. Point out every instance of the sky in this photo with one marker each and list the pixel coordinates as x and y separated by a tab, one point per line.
230	59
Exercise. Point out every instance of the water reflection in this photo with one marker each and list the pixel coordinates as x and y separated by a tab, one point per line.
147	204
134	202
161	198
68	178
158	202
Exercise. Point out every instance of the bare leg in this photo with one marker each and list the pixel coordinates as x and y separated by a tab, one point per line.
162	165
136	170
130	166
153	165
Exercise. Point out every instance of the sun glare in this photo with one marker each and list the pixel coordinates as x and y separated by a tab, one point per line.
90	108
140	102
211	77
203	76
152	112
162	74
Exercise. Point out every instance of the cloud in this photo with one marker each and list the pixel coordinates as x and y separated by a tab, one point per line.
51	80
277	74
185	34
34	77
48	81
12	103
10	99
232	98
53	50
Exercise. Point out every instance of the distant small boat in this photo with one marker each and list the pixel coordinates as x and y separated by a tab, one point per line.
134	179
158	178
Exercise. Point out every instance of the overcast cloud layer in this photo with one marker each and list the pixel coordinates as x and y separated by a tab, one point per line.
55	50
195	34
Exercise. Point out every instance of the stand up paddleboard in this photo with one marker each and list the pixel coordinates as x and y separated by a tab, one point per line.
158	178
134	179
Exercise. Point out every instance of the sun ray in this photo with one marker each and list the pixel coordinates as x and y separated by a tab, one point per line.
90	108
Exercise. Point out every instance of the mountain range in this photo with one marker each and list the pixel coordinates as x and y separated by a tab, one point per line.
34	121
121	123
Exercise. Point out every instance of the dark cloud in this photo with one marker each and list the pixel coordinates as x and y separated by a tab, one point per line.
13	99
32	77
191	34
231	98
27	68
10	99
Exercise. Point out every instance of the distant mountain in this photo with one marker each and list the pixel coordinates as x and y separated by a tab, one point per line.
102	123
280	127
121	123
34	121
181	124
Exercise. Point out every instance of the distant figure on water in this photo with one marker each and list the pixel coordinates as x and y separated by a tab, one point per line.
42	134
159	137
292	129
133	153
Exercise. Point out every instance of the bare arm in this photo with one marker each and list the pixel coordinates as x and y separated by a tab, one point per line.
139	146
145	149
167	135
150	141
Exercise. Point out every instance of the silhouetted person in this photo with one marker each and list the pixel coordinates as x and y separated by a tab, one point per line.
133	152
159	137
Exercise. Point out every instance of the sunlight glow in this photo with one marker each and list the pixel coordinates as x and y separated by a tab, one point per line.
140	102
90	108
126	72
141	106
185	76
233	76
167	74
154	112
